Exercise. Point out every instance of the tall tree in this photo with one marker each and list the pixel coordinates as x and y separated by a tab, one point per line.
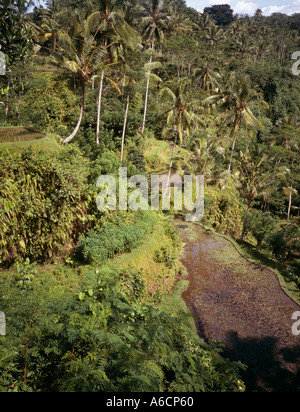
15	40
236	99
15	37
80	53
180	117
113	30
131	78
214	35
252	179
221	13
156	24
209	78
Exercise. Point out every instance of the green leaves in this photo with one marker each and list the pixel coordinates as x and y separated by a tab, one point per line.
99	337
41	205
113	239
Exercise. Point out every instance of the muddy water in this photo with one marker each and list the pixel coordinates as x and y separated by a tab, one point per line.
243	306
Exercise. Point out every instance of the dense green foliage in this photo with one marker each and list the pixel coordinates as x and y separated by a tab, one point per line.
115	237
156	87
43	204
101	337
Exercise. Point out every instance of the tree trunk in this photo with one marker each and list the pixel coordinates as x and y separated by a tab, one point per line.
290	205
147	92
146	100
248	210
99	107
71	137
231	157
171	164
125	125
54	42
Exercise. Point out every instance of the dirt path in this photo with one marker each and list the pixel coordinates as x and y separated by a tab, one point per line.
242	305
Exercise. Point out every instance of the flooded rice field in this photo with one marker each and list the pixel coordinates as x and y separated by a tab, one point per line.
243	306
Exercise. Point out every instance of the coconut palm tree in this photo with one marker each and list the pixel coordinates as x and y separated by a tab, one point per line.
205	21
156	25
243	43
252	179
180	117
155	21
131	78
208	77
235	101
214	35
80	53
113	31
50	25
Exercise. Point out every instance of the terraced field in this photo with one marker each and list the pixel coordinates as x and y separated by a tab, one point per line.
18	139
19	134
242	305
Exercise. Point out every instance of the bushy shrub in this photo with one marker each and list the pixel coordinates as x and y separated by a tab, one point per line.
224	210
49	102
43	208
101	337
166	254
285	241
260	225
115	238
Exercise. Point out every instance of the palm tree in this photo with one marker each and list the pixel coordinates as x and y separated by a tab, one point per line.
50	25
80	53
206	158
252	179
156	24
113	31
236	100
131	77
180	117
103	73
214	35
179	25
209	78
148	68
289	192
243	43
205	21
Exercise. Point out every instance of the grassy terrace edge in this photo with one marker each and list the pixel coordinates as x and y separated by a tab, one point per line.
49	143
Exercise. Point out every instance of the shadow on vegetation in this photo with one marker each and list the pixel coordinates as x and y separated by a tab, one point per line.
269	369
267	366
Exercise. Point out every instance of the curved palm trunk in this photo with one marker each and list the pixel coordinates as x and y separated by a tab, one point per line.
99	108
125	125
71	137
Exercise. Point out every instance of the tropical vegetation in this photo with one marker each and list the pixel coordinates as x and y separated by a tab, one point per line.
156	87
